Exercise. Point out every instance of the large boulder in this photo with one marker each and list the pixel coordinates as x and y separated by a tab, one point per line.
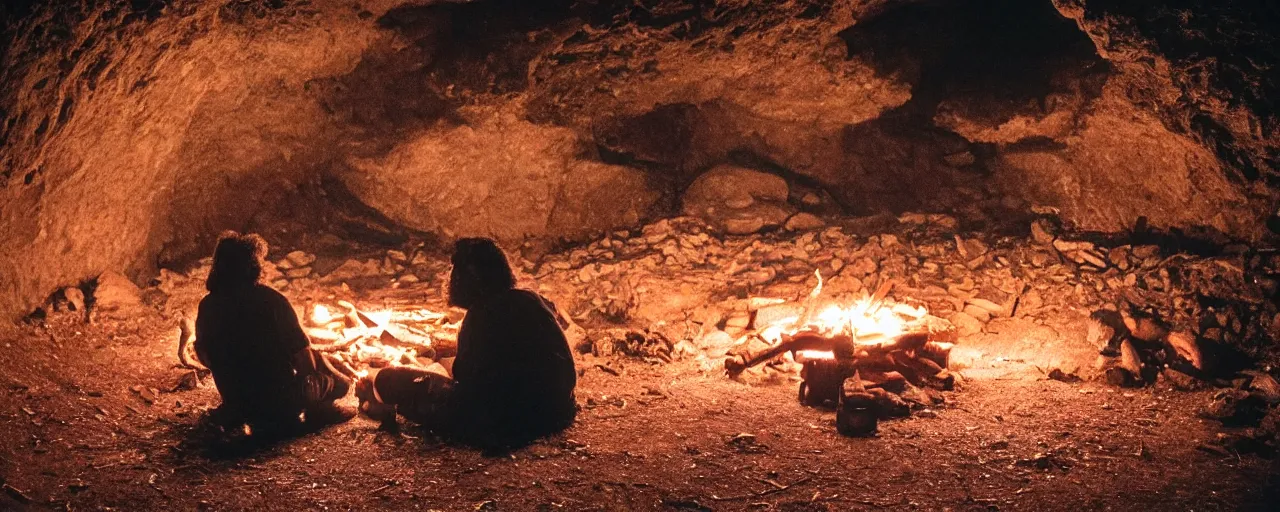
1204	68
737	200
502	178
1120	164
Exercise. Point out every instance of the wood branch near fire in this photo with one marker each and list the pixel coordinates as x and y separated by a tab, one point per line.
841	346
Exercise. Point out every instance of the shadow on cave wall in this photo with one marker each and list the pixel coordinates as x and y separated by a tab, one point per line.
987	61
998	58
456	51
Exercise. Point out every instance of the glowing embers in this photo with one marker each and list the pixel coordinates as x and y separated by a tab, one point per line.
873	354
870	358
358	339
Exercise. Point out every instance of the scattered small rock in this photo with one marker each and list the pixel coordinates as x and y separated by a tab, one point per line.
966	325
116	295
804	222
300	258
743	226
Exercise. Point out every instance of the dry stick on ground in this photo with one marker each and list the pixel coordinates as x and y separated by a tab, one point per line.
776	489
186	334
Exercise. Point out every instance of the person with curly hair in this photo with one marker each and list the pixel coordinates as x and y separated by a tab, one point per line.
513	379
514	375
249	337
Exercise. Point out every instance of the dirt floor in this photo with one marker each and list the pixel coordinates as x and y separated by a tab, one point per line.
79	433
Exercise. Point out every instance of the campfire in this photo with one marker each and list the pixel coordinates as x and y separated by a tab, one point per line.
354	339
871	358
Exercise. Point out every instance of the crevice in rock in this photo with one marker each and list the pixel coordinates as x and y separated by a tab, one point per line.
661	139
800	184
995	57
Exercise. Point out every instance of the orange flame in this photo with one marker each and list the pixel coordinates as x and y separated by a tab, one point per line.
866	319
321	315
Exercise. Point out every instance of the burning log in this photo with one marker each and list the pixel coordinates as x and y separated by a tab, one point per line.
857	357
891	381
380	339
806	341
937	351
841	346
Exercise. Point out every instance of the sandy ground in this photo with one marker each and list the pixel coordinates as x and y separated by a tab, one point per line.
76	435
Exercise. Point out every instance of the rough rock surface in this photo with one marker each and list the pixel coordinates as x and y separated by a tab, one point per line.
503	178
739	201
115	295
127	137
132	135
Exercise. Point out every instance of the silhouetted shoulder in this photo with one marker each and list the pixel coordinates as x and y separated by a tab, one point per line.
518	300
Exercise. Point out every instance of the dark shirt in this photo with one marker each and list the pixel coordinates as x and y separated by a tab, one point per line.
514	374
248	337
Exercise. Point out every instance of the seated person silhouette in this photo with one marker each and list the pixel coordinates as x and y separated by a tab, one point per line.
514	375
262	363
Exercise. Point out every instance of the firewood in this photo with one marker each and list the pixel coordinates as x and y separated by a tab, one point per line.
822	380
351	319
890	405
892	381
735	365
1129	359
1185	346
364	319
445	343
339	345
856	414
341	365
886	344
938	352
923	372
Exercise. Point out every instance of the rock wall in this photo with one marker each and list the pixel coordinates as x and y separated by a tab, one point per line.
129	135
132	132
502	178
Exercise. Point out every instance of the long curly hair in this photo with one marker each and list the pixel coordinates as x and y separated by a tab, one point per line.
237	261
480	270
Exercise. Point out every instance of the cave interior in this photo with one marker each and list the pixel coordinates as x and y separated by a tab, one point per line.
1045	230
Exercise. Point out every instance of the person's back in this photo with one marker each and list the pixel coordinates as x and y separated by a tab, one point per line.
249	335
514	374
